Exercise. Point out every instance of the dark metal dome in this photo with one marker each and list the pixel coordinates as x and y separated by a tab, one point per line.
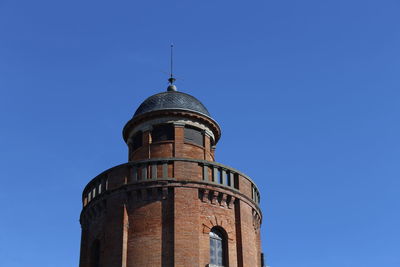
172	100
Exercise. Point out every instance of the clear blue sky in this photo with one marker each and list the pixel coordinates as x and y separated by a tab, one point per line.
306	92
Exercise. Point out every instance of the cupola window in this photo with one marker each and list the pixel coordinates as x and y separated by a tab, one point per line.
162	132
194	136
137	141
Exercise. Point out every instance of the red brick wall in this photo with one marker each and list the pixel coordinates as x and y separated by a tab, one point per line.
186	221
174	148
169	226
192	151
111	233
188	171
159	223
249	242
145	233
162	149
213	215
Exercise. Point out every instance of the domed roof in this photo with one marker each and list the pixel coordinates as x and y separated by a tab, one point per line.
171	100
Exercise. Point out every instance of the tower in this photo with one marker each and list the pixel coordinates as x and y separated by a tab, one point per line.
171	204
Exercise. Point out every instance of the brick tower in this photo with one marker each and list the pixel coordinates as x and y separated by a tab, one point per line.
171	204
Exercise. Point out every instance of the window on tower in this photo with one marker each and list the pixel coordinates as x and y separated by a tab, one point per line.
162	132
137	140
218	248
194	136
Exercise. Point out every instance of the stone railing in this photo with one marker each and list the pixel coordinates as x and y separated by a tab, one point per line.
174	169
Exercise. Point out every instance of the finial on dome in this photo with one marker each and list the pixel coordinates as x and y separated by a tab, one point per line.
171	79
172	87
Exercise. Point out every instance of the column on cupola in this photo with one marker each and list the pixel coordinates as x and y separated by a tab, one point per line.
179	128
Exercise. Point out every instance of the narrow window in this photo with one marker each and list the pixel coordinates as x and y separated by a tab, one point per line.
218	248
194	136
137	140
162	132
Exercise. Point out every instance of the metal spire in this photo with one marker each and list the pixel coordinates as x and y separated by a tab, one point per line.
171	79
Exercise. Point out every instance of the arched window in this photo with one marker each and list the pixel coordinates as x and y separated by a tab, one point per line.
218	248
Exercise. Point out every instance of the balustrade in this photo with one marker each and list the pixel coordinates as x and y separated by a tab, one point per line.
157	169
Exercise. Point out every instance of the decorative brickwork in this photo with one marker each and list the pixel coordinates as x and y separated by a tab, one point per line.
159	208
